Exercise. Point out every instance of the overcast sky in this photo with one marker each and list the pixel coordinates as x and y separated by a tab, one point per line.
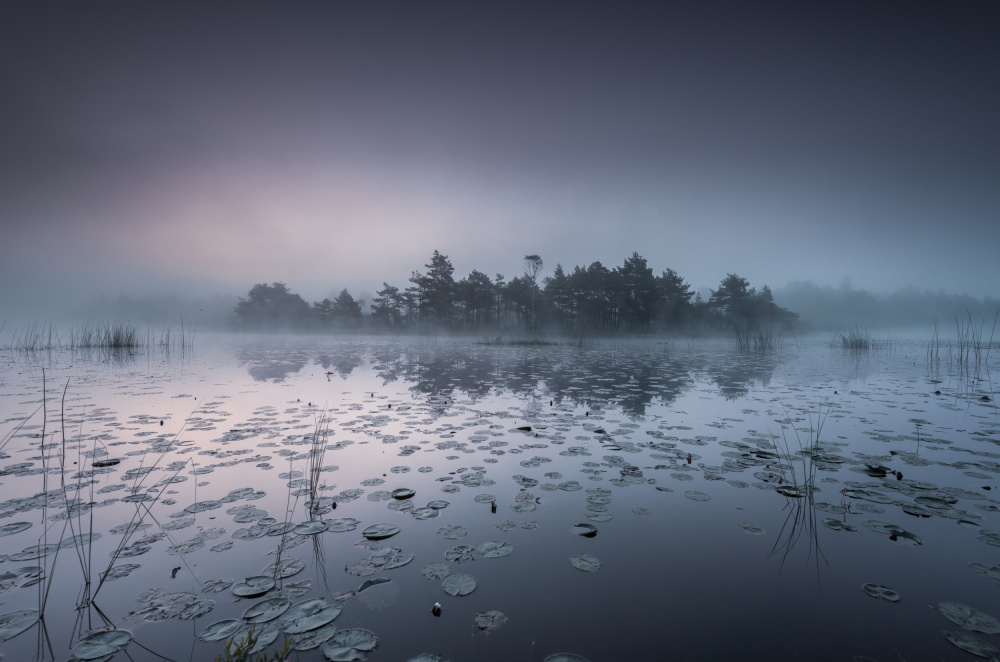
201	148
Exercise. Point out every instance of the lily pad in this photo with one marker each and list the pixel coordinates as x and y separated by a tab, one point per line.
100	644
585	562
14	623
221	630
459	554
312	620
696	495
459	584
196	609
13	527
436	571
969	618
251	587
390	557
403	493
879	591
356	638
970	644
342	525
453	531
284	568
267	610
313	638
349	645
585	530
310	528
491	620
566	657
494	549
373	582
381	531
600	517
882	527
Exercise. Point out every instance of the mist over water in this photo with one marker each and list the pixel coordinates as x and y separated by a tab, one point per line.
486	332
718	482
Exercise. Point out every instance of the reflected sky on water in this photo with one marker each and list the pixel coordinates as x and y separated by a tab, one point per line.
750	495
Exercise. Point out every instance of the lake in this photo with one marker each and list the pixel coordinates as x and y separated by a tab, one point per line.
603	500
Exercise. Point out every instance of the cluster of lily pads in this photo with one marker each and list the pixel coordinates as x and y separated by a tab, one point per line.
645	457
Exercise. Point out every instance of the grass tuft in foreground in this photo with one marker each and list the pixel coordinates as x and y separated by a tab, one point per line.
858	340
753	338
243	650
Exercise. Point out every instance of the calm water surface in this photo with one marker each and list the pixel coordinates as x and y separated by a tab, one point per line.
740	501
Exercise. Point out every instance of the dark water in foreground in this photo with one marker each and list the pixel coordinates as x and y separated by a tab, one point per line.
725	530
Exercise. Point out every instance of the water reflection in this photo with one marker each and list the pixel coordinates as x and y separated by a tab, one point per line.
628	376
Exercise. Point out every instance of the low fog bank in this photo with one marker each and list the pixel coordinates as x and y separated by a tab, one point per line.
213	313
826	308
820	308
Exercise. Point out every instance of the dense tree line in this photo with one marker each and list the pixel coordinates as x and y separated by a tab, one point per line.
595	299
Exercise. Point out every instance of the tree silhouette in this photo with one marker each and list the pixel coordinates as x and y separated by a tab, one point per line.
532	265
270	306
435	290
638	293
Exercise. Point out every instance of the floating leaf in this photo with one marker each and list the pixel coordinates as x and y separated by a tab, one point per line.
14	623
436	571
390	557
879	591
424	513
882	527
251	587
459	584
310	528
349	645
459	554
600	517
267	610
318	617
585	530
311	639
970	644
494	549
381	531
403	493
221	630
566	657
342	525
119	571
373	582
969	618
453	531
196	609
751	529
13	527
284	568
696	495
585	562
101	644
357	638
491	620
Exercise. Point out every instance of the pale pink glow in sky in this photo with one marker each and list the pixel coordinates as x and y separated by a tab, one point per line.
161	149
